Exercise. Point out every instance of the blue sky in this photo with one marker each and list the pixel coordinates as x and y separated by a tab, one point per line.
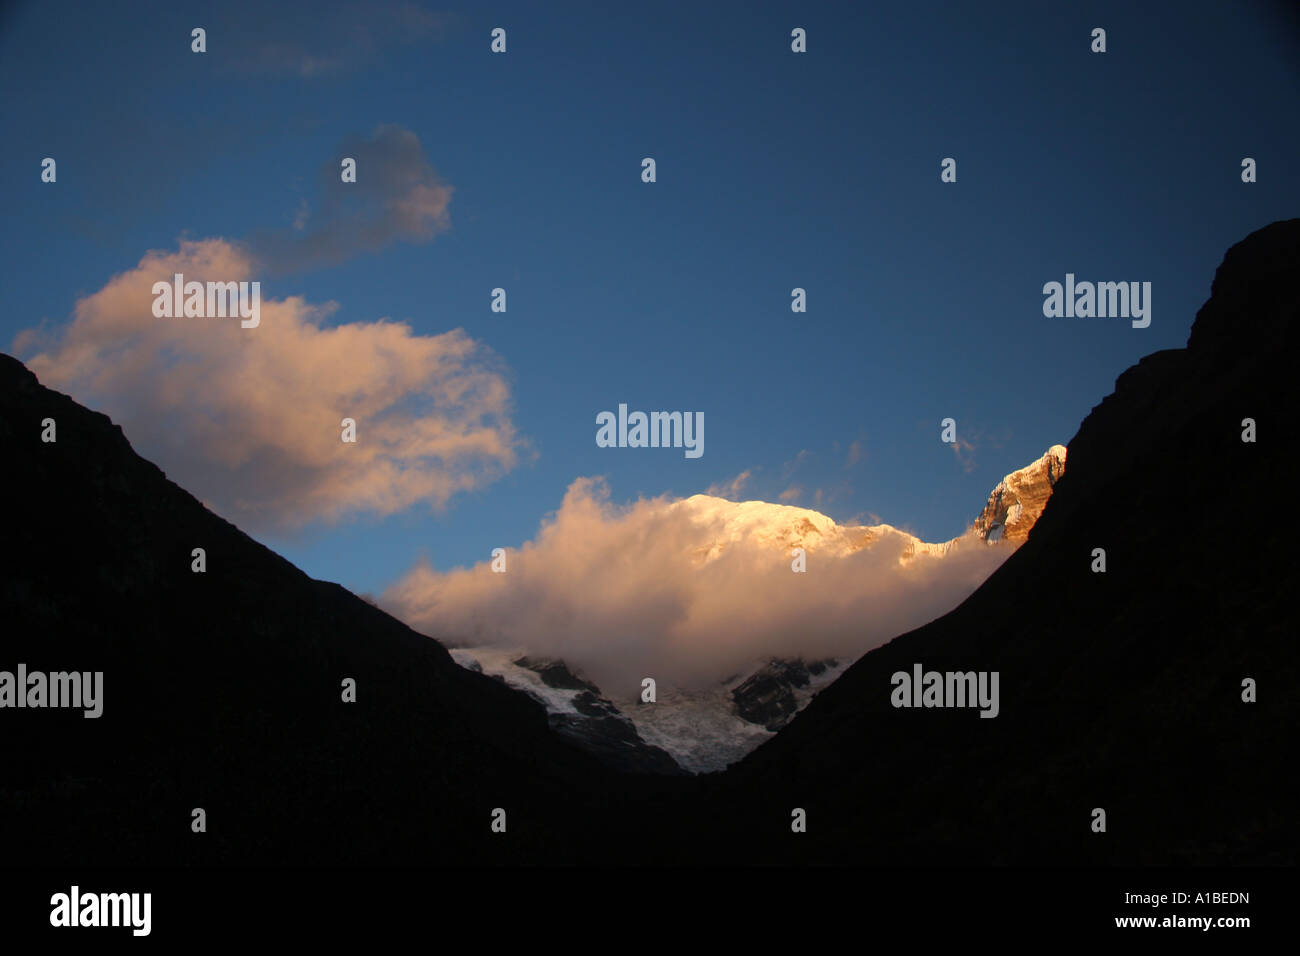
775	170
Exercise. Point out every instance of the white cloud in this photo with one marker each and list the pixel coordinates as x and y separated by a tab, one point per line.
693	589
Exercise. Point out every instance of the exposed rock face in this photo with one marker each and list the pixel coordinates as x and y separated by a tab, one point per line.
557	674
1019	498
596	724
768	697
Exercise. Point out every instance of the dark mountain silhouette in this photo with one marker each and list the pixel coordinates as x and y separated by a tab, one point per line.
222	690
1119	690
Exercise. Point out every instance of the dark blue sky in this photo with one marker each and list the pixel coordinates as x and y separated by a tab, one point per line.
775	170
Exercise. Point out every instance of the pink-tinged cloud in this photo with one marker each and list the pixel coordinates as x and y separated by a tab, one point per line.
688	591
730	489
965	453
249	419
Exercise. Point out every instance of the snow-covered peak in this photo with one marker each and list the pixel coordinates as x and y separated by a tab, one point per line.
1013	507
766	525
1018	499
1051	465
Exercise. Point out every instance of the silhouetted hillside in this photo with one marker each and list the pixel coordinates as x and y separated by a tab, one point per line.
1120	690
222	690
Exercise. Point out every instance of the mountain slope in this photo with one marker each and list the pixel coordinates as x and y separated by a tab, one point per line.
1119	690
222	690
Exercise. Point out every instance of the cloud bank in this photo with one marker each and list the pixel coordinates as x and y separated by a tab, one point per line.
690	591
249	419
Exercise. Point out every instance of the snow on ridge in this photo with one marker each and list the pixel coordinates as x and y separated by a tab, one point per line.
1055	455
1019	498
787	526
500	662
782	527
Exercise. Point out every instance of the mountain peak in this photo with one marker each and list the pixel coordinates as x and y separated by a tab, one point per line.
1018	499
1011	510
